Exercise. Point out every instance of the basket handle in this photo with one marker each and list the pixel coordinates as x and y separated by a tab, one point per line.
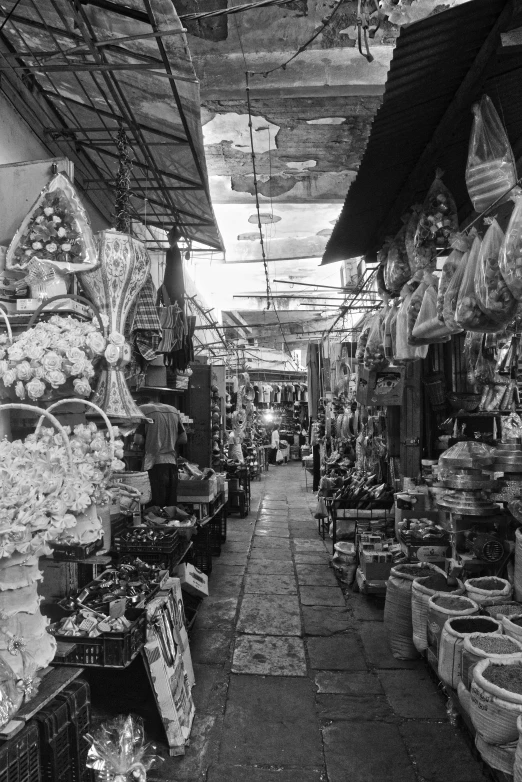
52	419
3	313
74	296
87	402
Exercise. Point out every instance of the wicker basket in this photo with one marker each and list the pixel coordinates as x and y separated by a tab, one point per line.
435	385
467	402
138	480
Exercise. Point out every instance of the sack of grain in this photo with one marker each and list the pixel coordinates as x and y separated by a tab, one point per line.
464	697
483	646
488	589
452	638
421	591
517	767
397	608
518	564
499	756
513	626
441	607
496	699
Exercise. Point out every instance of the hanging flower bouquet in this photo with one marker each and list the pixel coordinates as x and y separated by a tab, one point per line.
51	359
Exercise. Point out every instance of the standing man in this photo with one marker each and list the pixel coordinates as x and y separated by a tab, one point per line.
162	436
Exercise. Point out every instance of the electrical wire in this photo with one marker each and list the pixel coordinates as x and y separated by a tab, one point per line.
196	16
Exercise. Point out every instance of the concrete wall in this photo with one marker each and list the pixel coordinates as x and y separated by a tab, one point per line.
18	143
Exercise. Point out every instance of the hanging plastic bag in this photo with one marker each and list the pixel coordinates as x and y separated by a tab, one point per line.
403	350
321	511
389	320
470	353
452	294
409	238
279	456
398	270
490	171
437	223
510	260
414	309
428	326
363	339
448	272
468	314
393	330
493	295
374	357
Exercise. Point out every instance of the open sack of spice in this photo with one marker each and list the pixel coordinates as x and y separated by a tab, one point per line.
437	223
374	357
404	351
490	170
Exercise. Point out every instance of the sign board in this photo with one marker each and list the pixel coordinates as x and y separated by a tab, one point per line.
384	388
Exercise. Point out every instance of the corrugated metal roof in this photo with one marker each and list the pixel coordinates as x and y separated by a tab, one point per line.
431	60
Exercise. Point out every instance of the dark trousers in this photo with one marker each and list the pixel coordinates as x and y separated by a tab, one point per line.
164	484
316	451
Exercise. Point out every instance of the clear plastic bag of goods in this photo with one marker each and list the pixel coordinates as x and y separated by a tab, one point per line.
490	170
409	238
363	339
437	223
428	327
469	314
451	296
388	323
493	295
374	357
510	259
403	350
448	272
398	270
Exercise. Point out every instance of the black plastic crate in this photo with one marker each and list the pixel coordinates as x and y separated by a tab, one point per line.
201	552
215	536
77	698
55	745
80	552
224	525
162	560
109	650
20	757
168	545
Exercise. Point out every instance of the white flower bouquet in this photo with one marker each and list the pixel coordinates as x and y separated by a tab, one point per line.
51	359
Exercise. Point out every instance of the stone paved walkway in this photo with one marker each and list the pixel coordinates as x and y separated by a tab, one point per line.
294	679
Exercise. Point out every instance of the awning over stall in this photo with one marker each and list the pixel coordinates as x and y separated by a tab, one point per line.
78	69
440	67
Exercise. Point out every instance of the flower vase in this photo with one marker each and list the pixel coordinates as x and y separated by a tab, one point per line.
114	286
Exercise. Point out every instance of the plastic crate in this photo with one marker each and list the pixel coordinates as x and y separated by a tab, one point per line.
224	525
77	698
163	561
238	503
215	536
20	757
168	545
109	650
55	746
201	553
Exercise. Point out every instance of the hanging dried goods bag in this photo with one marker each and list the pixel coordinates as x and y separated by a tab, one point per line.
403	350
363	339
409	238
374	357
490	170
451	296
437	223
449	270
469	315
510	259
398	270
493	295
428	327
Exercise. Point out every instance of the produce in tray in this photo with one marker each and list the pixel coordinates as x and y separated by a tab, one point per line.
490	171
493	295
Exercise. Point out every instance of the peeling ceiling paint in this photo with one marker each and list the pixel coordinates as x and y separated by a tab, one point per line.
302	165
326	121
234	128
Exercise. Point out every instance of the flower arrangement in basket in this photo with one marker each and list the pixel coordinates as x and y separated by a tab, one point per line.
52	358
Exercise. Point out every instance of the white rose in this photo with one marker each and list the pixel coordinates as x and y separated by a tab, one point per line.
56	378
24	371
35	352
75	355
48	211
51	247
37	245
9	377
96	342
35	388
82	387
20	389
52	362
61	232
56	219
16	352
117	339
112	354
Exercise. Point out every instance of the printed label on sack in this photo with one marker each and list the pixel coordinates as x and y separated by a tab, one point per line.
430	553
480	698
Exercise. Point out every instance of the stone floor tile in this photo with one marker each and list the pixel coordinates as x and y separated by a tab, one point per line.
271	543
311	558
269	655
201	752
216	611
271	532
367	708
211	646
336	653
273	553
309	546
413	694
321	596
233	559
315	575
222	565
210	691
274	515
320	621
366	752
271	721
256	774
367	608
344	683
440	752
270	567
270	585
269	615
225	584
377	650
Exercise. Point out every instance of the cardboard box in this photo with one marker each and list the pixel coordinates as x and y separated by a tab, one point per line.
192	580
379	388
197	491
374	571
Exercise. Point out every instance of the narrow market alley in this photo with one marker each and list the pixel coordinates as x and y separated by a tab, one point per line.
294	679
